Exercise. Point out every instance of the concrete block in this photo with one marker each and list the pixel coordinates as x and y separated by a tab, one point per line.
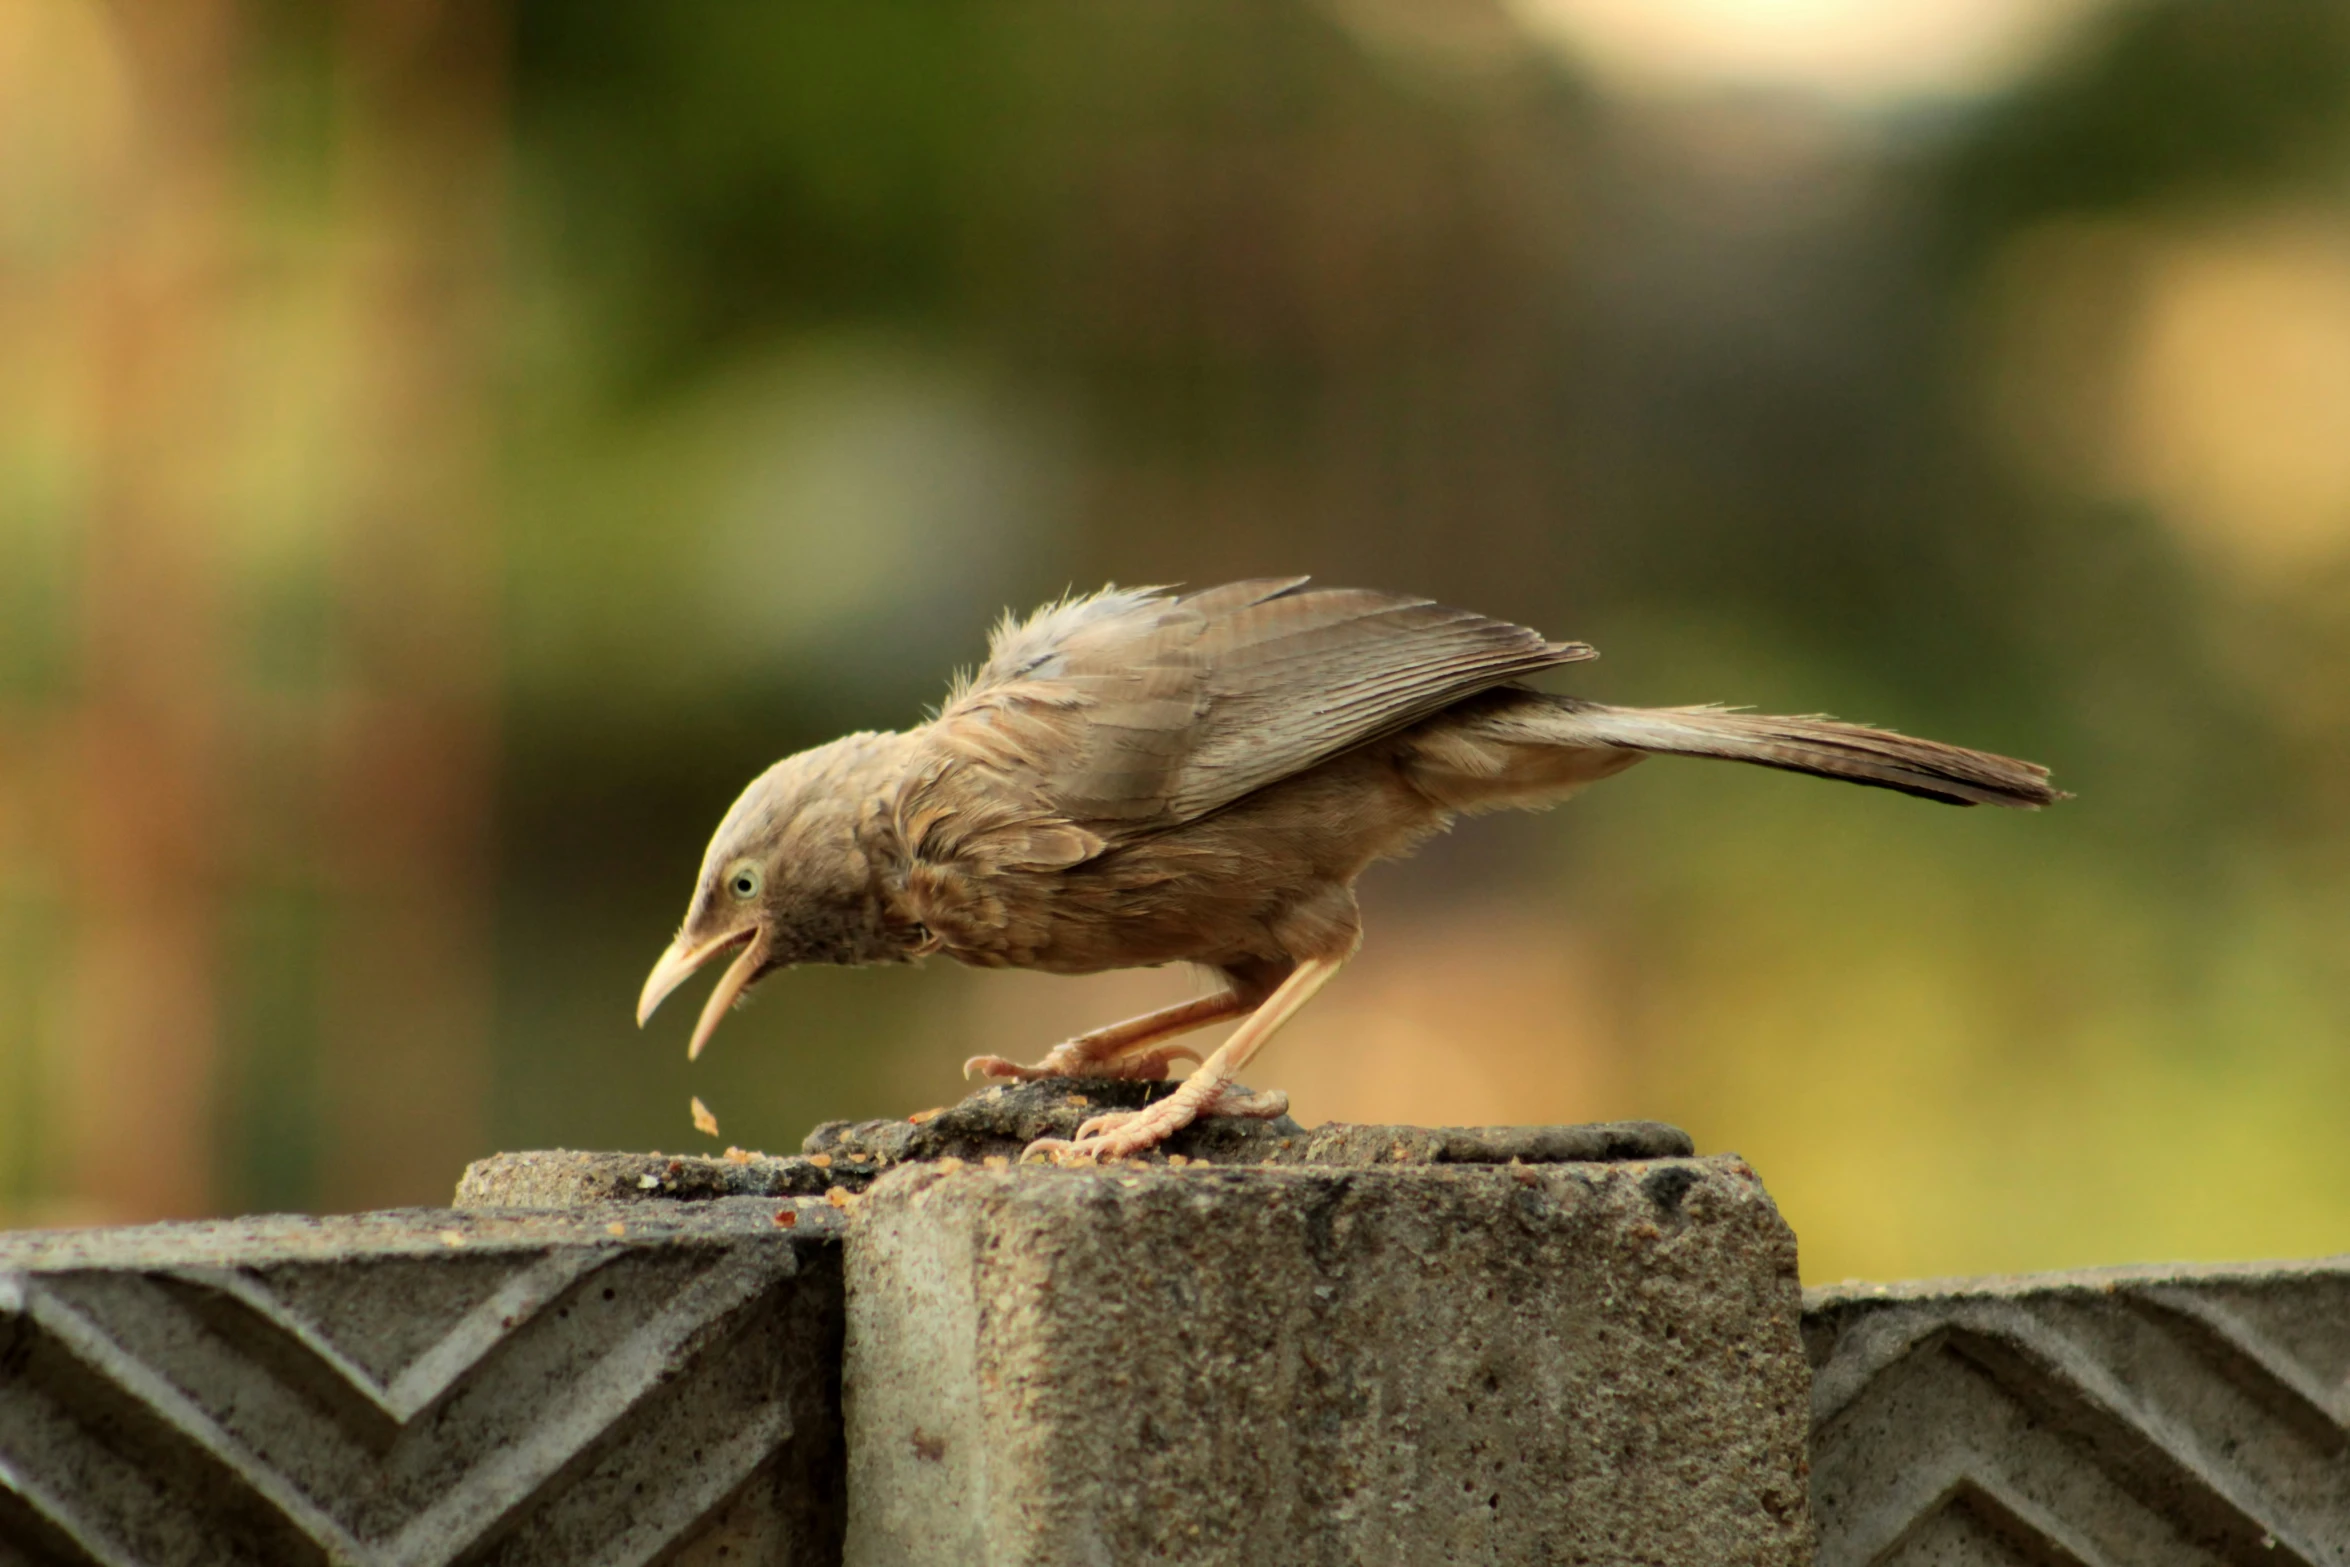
2139	1417
608	1386
1294	1365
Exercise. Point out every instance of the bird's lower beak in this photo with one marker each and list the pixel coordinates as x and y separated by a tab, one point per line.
679	963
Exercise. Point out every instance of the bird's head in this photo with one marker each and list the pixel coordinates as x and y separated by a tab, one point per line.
788	878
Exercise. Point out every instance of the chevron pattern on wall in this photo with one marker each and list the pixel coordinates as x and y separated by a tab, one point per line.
2131	1418
422	1387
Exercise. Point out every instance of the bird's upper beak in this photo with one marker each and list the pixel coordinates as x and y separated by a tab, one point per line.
684	957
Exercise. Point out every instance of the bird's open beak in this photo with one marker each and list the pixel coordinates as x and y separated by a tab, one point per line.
678	964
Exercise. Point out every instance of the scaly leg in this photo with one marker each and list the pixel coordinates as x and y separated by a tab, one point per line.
1105	1052
1206	1091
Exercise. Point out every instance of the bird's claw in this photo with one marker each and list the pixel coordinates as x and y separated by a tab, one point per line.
1262	1105
1149	1066
1115	1134
1076	1154
1107	1121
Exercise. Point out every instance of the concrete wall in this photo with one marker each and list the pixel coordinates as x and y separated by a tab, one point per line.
423	1386
2131	1416
1540	1363
1360	1345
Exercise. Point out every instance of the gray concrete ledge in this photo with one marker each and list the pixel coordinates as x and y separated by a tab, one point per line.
2138	1417
424	1386
1582	1362
1348	1344
998	1122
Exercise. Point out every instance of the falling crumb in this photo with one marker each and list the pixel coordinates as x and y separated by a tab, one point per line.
840	1197
950	1165
920	1116
615	1229
704	1122
996	1161
822	1161
785	1218
739	1156
451	1238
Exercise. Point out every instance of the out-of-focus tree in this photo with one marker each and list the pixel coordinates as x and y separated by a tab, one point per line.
616	398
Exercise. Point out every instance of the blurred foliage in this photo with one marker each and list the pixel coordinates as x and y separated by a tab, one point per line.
813	337
2162	104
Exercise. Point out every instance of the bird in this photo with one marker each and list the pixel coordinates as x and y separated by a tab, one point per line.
1146	776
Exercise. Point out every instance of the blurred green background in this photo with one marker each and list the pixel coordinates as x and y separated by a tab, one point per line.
446	449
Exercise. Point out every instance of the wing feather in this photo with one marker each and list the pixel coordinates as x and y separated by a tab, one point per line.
1135	709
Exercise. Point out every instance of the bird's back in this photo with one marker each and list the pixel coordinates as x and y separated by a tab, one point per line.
1137	710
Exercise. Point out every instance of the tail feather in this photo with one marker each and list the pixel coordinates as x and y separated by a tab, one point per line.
1823	747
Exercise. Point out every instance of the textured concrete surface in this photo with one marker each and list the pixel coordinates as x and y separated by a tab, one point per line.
617	1385
1351	1344
1546	1363
2141	1417
998	1122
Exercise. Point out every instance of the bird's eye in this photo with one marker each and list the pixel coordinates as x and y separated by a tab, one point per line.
744	882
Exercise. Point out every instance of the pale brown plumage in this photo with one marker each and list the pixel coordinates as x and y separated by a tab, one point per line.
1143	777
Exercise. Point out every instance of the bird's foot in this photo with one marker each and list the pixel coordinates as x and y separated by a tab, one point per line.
1263	1105
1068	1060
1120	1134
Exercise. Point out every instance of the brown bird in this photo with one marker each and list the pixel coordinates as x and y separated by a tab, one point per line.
1143	777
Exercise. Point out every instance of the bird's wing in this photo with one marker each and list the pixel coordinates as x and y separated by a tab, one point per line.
1135	709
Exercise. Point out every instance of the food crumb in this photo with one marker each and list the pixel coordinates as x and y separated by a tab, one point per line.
1177	1160
920	1116
950	1164
1079	1099
840	1197
785	1218
739	1155
704	1122
996	1161
616	1228
822	1161
646	1183
451	1238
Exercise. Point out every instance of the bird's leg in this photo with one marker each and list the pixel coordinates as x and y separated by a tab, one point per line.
1118	1049
1207	1091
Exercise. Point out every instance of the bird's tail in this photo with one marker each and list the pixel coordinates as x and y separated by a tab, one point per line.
1527	747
